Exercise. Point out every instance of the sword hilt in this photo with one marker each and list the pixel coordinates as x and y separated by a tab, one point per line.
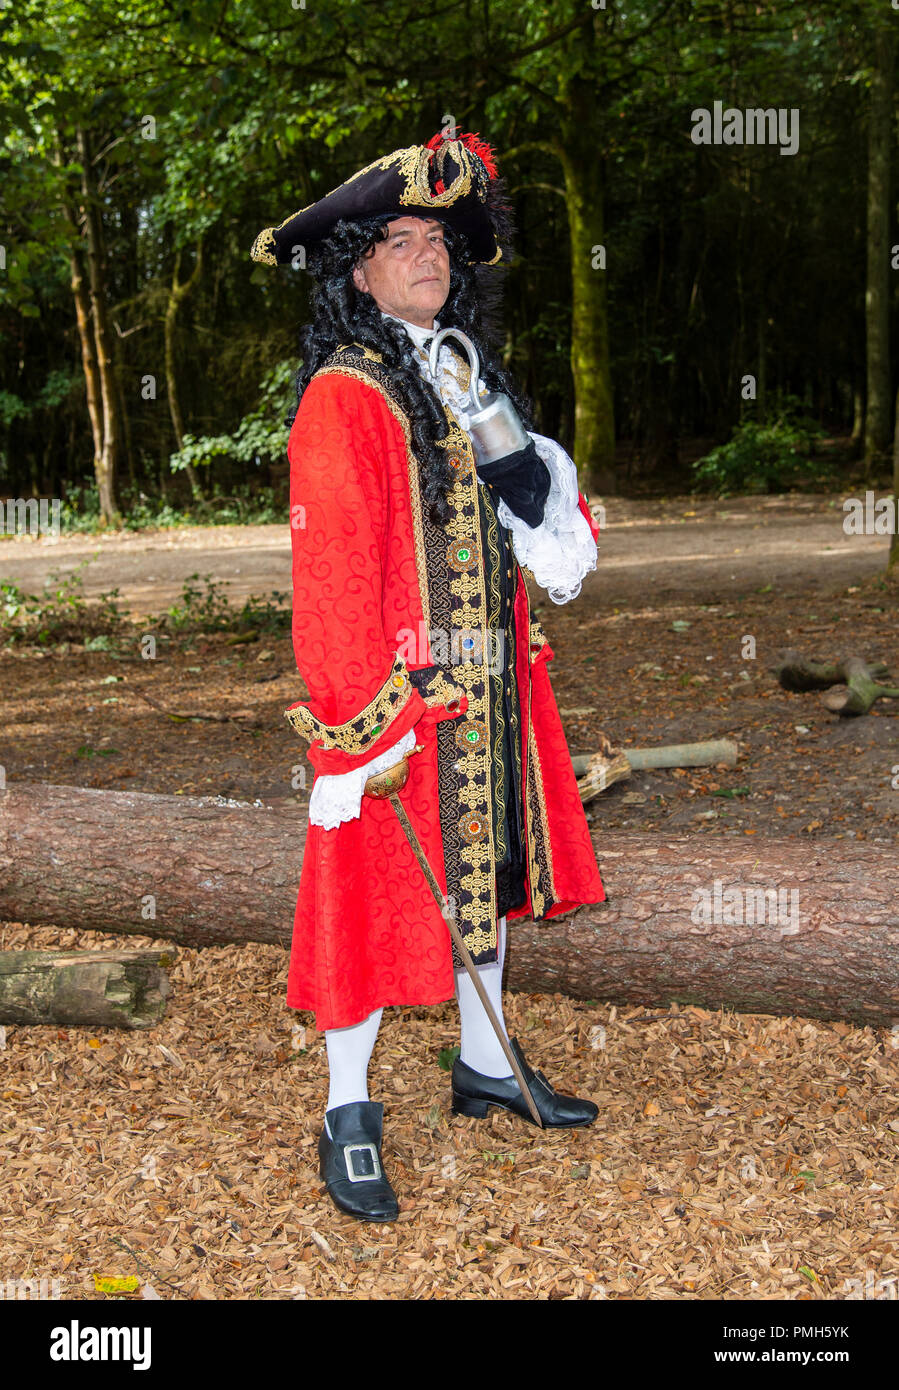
384	784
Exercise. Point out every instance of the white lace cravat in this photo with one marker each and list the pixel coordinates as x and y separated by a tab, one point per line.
561	550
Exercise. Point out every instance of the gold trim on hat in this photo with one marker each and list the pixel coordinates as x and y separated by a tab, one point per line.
413	163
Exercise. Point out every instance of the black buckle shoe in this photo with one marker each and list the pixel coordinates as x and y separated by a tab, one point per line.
350	1162
473	1093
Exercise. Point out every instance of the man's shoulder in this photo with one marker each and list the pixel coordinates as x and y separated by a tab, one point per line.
353	362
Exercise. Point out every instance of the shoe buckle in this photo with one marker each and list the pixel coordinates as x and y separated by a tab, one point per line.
367	1168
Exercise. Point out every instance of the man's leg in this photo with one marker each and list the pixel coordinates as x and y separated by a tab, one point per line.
480	1046
349	1053
349	1148
481	1075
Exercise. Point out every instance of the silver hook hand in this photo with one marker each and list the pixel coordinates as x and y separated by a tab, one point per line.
474	361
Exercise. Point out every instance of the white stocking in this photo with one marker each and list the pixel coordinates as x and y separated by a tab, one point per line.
349	1052
480	1046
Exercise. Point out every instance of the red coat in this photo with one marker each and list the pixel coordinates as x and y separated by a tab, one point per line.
370	575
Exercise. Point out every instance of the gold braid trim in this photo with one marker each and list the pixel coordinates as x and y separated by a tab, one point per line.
340	362
437	690
355	735
538	638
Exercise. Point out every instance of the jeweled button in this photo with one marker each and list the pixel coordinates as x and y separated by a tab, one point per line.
461	555
471	735
472	828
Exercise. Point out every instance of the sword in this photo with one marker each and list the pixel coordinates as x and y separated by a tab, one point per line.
384	785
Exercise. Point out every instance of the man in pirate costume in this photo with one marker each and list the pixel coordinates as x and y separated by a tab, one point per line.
412	631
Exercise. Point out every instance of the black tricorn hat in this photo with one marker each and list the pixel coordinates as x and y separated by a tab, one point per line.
453	180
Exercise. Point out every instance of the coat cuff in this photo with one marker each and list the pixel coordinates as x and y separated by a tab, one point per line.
539	644
358	735
442	697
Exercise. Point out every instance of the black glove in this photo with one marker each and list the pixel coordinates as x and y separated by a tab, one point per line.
522	480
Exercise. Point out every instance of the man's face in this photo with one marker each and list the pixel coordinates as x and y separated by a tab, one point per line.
408	274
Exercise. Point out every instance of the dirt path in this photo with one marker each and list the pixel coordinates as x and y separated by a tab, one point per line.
650	653
674	548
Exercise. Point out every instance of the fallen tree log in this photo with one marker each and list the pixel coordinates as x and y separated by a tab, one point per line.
788	926
598	771
706	754
105	989
855	678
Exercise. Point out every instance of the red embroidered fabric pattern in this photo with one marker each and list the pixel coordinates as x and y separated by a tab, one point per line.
367	931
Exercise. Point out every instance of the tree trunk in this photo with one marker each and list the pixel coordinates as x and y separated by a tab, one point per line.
582	166
881	134
178	291
106	461
858	417
84	323
765	925
856	679
106	989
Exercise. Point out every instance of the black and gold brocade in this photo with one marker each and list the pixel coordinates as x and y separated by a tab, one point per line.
467	572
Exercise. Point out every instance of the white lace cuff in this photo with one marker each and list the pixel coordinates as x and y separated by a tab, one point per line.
338	798
561	550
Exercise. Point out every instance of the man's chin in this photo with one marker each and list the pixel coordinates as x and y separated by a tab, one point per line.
432	301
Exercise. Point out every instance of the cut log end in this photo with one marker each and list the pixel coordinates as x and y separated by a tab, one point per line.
101	989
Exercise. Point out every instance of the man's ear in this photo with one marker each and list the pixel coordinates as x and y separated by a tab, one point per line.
359	279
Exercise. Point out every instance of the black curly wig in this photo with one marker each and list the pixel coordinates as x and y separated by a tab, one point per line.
342	314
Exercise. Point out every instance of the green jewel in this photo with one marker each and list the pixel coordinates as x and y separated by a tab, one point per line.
472	736
376	729
464	554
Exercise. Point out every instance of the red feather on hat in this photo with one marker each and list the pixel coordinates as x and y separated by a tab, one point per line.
472	142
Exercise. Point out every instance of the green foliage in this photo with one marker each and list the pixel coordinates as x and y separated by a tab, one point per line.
63	614
60	613
246	505
80	508
175	104
11	407
61	385
260	435
207	609
763	457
